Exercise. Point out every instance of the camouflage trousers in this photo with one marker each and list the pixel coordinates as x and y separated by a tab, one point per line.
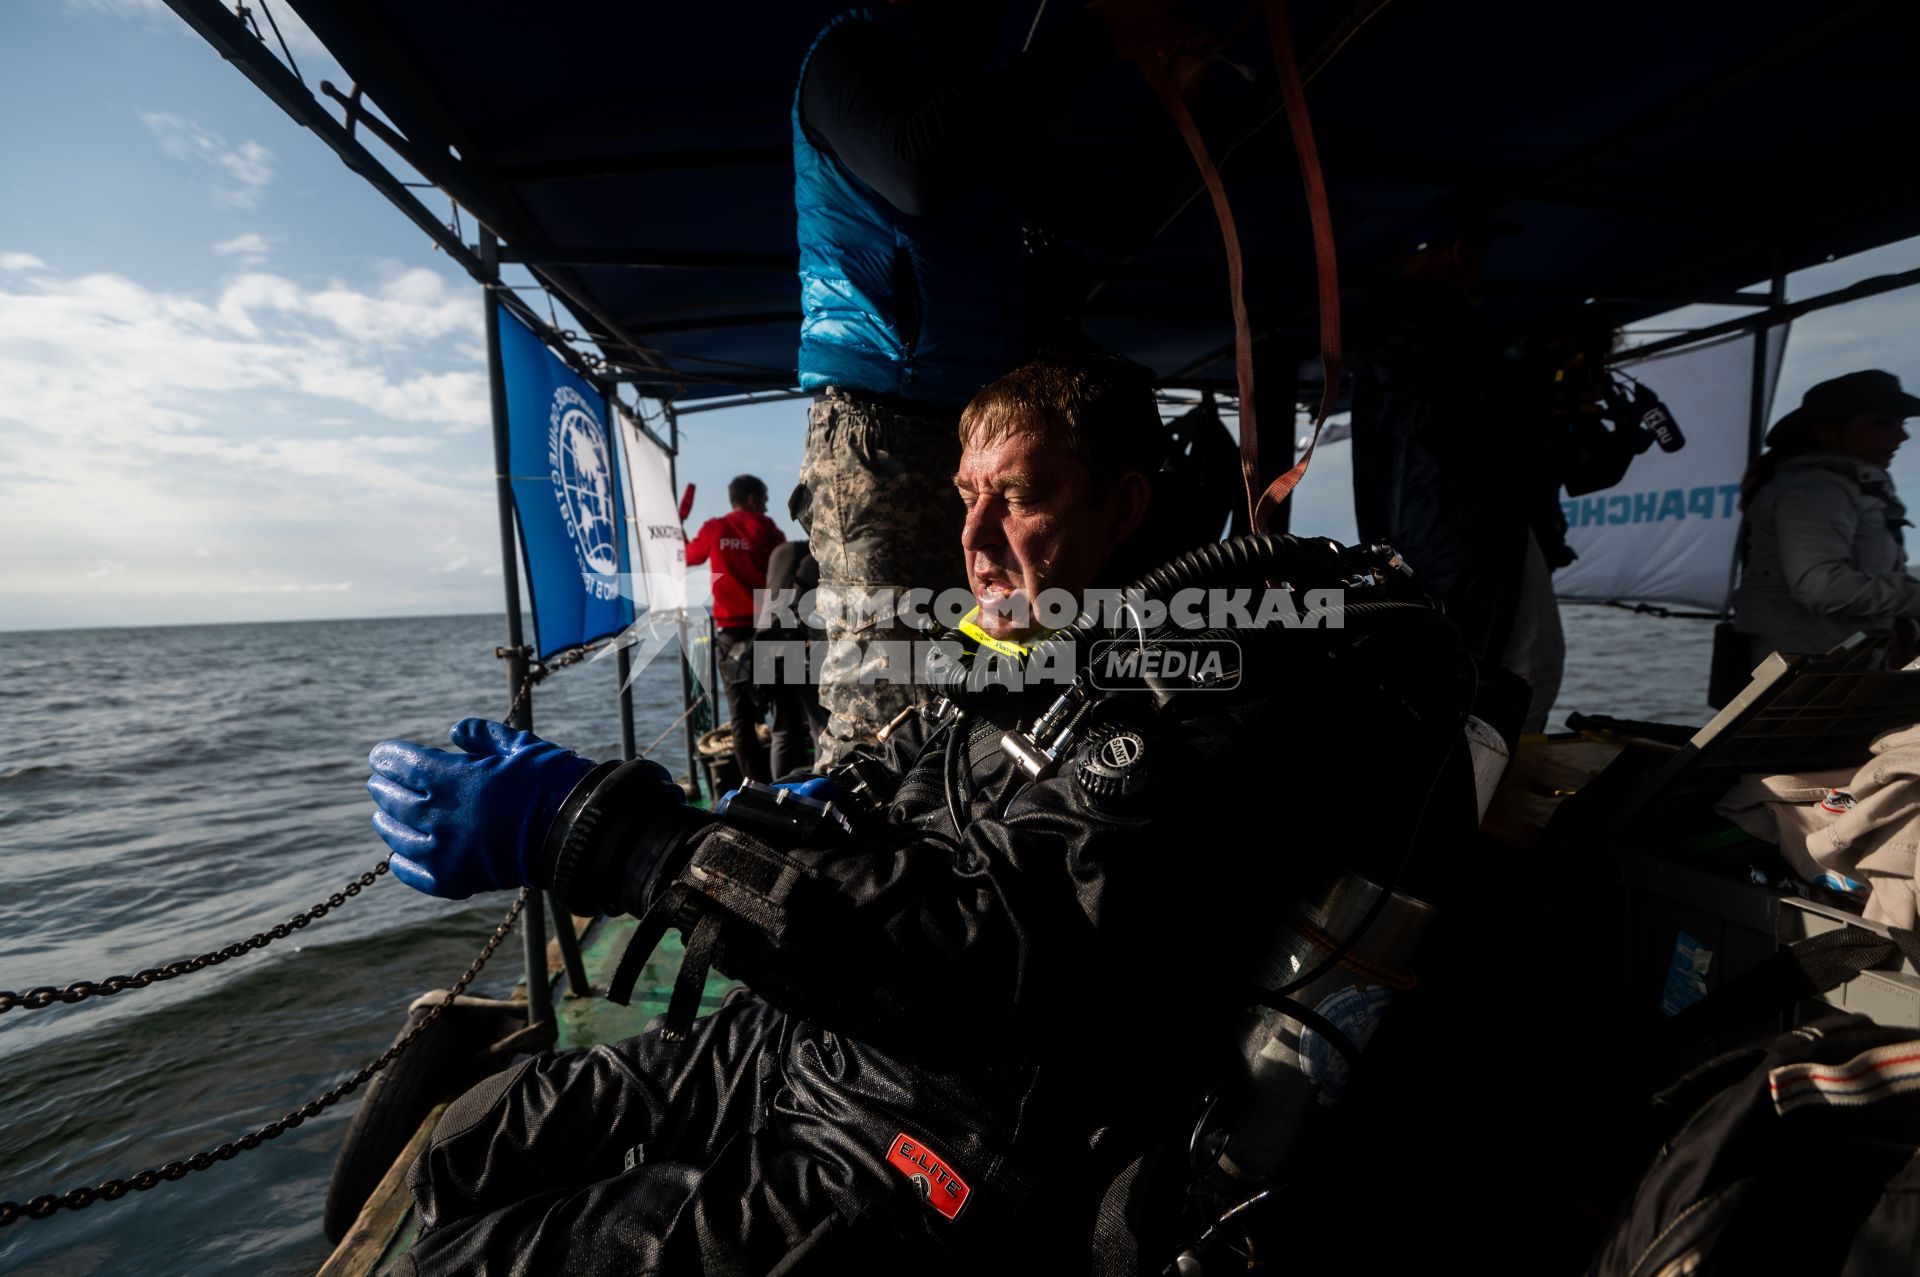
876	498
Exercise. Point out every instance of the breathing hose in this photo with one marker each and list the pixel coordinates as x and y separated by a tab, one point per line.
1258	556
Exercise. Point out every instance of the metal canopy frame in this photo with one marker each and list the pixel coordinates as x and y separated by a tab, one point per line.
624	356
247	50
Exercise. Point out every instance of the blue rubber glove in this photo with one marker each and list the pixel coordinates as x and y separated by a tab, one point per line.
812	787
461	823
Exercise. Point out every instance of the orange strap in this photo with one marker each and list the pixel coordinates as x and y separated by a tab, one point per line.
1326	269
1260	508
1162	85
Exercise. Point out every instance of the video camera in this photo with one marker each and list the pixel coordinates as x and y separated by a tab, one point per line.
1573	350
1631	403
1597	456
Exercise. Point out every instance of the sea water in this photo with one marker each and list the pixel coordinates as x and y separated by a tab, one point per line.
165	792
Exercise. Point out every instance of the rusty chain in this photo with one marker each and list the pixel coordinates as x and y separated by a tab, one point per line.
537	670
47	995
113	1189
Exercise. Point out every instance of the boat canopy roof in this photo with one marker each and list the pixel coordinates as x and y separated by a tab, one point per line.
637	158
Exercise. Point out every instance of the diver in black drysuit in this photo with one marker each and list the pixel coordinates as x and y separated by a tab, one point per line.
1058	981
955	1041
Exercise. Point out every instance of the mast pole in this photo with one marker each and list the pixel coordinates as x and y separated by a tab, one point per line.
533	921
623	670
1762	339
622	657
686	651
1758	385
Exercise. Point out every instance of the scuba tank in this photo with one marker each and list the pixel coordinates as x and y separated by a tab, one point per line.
1295	1070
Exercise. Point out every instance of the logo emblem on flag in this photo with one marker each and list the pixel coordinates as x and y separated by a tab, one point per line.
581	471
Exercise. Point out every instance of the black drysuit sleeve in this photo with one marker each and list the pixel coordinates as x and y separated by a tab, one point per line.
970	945
865	99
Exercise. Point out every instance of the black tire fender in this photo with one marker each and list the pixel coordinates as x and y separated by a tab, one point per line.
445	1060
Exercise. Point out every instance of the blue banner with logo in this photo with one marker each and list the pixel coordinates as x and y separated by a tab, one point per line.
566	491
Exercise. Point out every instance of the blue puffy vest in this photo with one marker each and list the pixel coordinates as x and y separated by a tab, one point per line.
924	309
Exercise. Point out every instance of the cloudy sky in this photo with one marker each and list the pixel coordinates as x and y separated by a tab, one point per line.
235	384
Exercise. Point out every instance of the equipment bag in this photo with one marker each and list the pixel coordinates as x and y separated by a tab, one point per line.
1801	1159
1795	1153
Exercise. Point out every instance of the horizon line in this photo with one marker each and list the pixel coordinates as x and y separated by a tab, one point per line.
300	620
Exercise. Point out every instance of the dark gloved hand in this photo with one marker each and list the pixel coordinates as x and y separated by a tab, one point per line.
461	823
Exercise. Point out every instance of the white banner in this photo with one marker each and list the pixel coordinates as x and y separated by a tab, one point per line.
659	541
1666	532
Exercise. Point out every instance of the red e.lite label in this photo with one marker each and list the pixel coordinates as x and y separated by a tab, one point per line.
944	1191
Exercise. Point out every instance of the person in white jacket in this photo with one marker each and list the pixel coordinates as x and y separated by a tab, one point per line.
1822	551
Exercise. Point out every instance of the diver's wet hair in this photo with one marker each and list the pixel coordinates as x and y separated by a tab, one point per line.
1098	409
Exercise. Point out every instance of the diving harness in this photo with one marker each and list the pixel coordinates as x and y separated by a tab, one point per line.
1331	967
1337	961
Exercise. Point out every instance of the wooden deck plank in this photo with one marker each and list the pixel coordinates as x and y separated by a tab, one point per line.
381	1220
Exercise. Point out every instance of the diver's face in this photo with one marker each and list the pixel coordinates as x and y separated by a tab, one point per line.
1033	524
1870	436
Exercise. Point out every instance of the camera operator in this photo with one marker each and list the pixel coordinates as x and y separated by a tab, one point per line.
1591	423
1598	419
1459	448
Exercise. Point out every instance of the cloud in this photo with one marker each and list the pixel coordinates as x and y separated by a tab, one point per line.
295	587
251	248
173	441
20	263
123	8
410	306
242	172
415	301
171	353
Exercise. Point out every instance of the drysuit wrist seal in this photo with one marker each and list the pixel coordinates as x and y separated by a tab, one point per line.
616	835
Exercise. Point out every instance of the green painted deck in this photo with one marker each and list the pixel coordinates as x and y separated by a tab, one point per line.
593	1019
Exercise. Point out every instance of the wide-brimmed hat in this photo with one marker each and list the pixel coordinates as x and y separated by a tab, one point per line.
1843	397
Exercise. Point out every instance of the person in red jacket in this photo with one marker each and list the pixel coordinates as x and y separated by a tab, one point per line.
739	543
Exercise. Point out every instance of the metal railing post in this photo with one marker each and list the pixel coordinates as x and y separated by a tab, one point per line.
686	648
533	921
